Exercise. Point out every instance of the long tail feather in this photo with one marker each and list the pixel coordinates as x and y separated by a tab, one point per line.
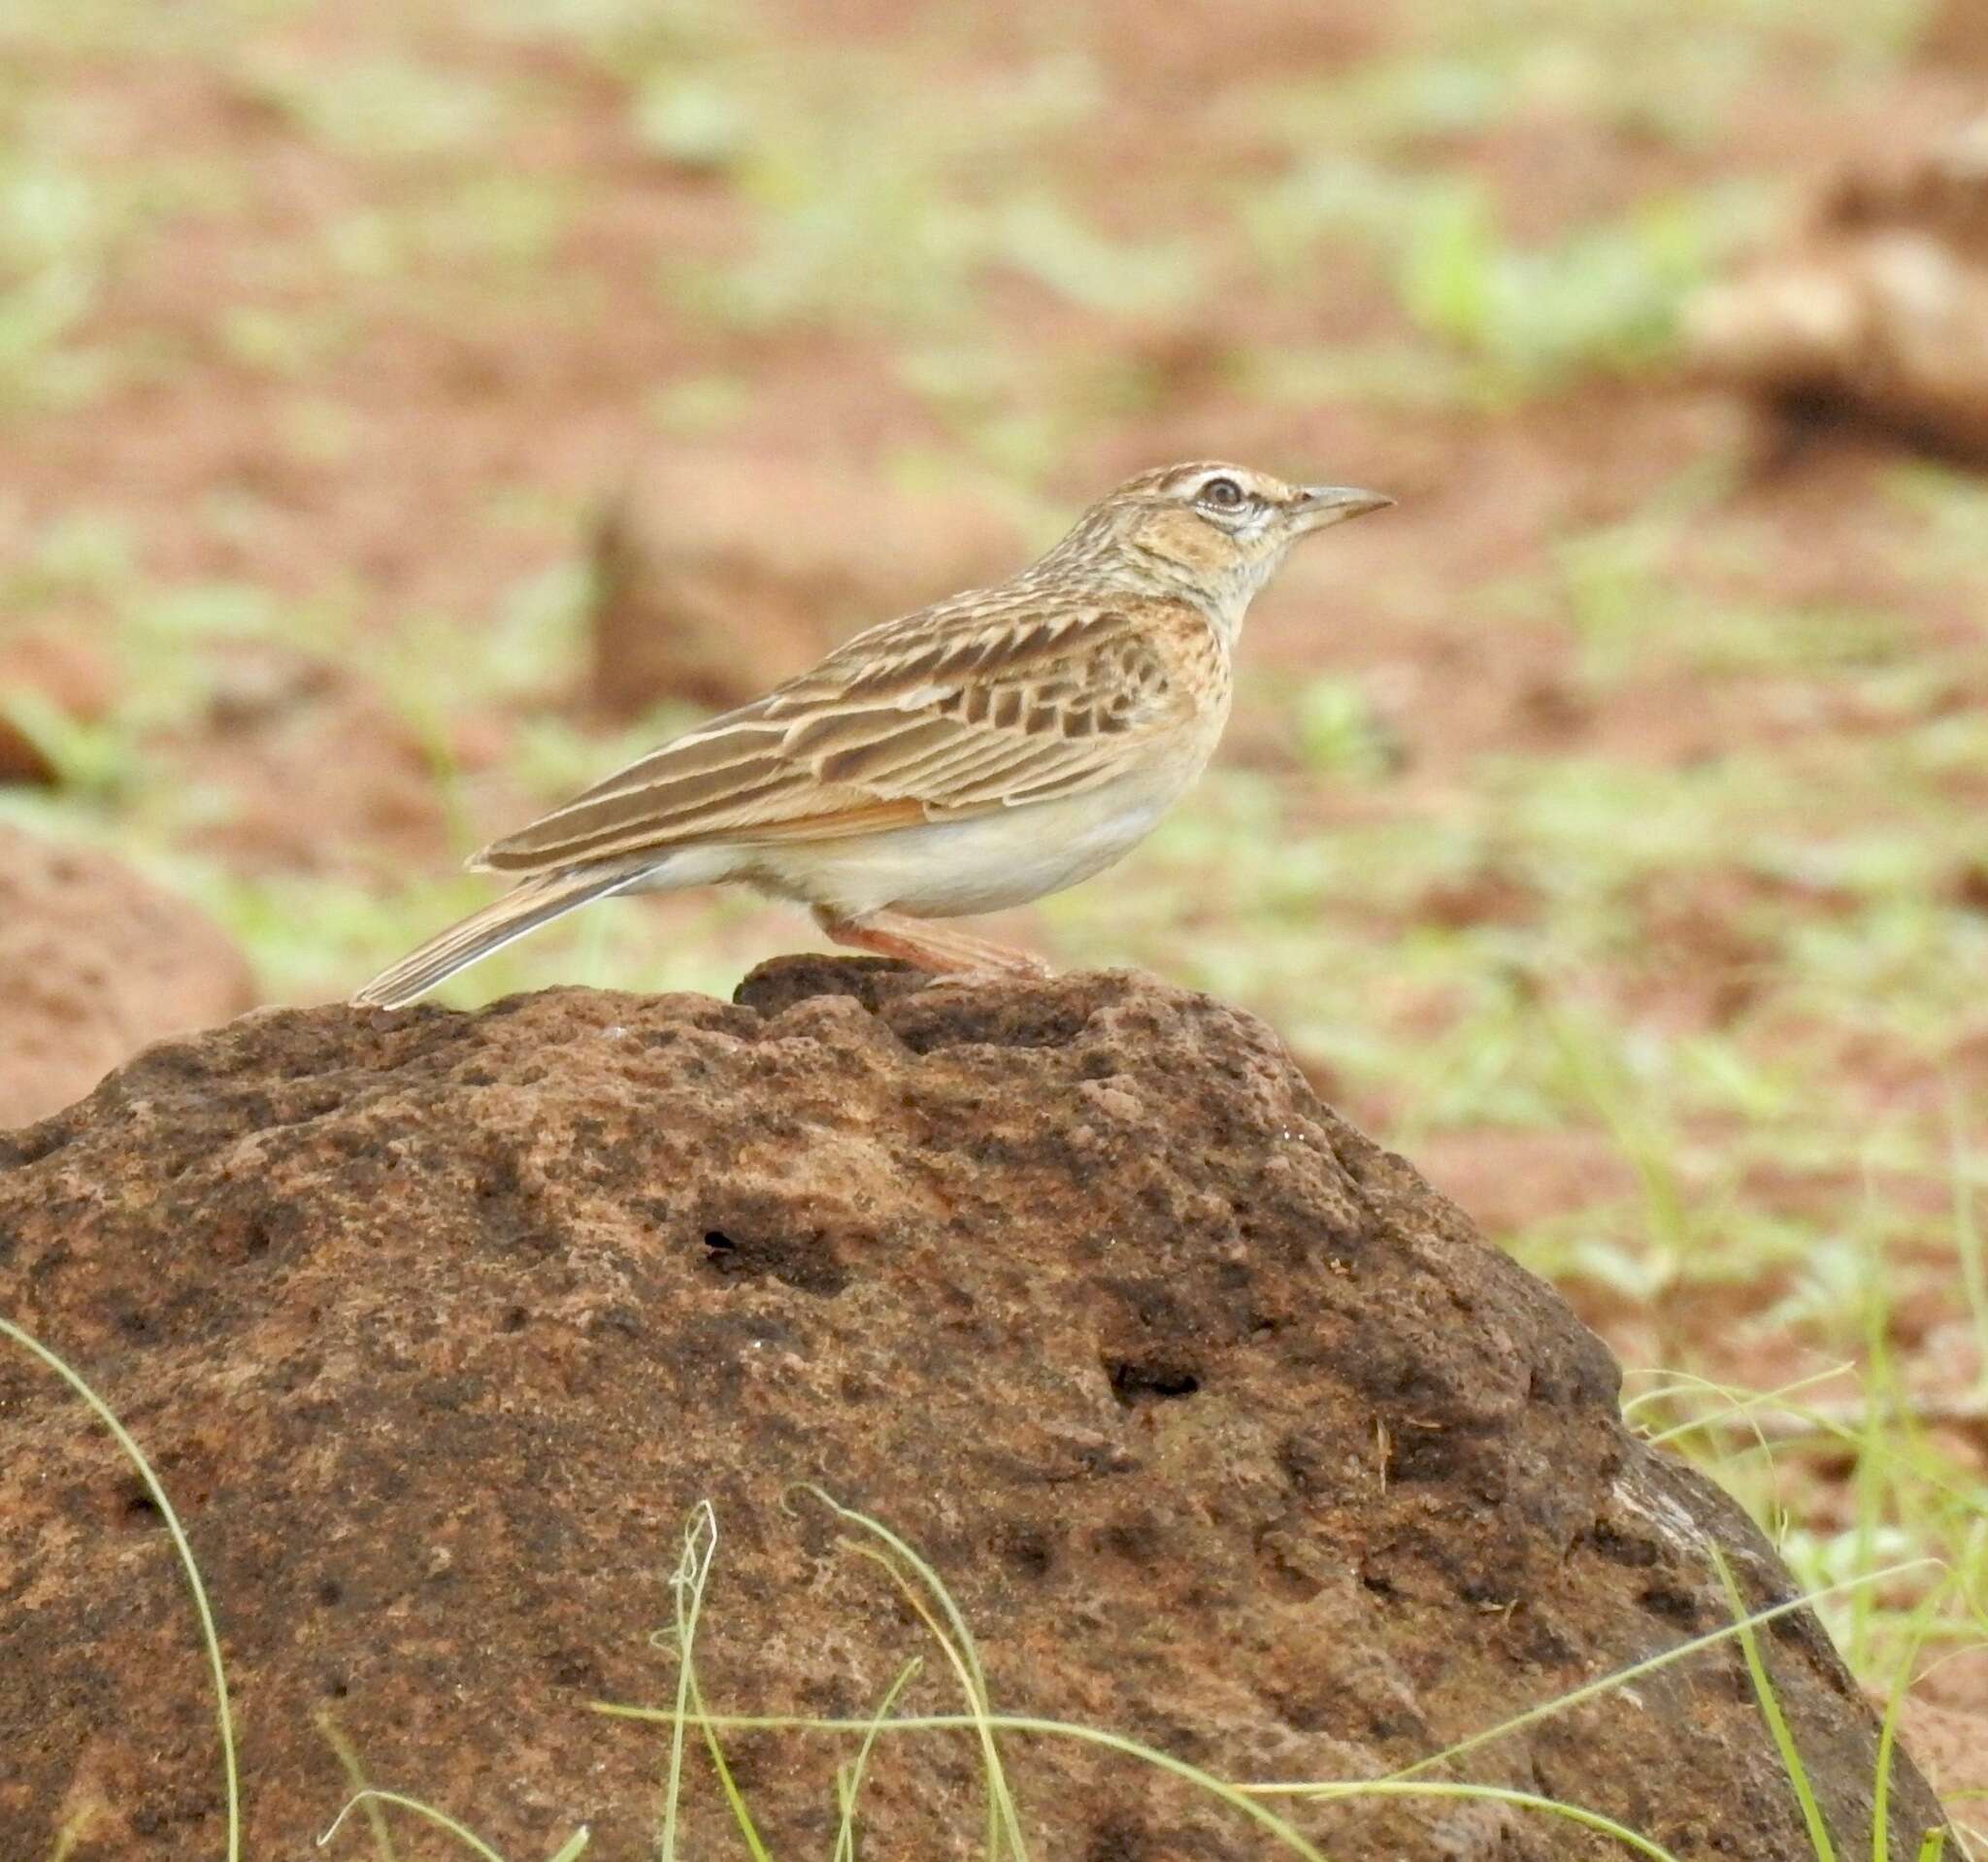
524	908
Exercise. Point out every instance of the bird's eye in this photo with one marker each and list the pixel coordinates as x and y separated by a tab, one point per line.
1225	494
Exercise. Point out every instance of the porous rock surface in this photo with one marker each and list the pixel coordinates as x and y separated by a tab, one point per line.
1226	1432
96	962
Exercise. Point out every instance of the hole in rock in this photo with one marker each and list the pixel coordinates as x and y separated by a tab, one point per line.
1630	1548
1025	1549
1118	1840
1671	1606
1150	1382
140	1509
926	1027
806	1262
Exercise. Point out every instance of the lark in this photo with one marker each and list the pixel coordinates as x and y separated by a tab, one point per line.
983	751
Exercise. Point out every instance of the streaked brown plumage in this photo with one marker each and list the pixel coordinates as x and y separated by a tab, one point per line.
981	752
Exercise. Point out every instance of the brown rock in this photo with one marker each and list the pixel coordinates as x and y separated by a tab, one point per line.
1877	306
1227	1432
94	963
720	574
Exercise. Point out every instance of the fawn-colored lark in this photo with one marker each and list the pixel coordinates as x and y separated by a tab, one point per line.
995	747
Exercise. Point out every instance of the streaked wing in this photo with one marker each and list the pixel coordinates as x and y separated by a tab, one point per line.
979	704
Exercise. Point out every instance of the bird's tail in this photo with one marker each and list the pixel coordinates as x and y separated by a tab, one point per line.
537	901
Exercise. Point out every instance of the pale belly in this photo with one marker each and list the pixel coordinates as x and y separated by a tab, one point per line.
950	869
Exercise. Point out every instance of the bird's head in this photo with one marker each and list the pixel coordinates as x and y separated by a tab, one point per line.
1210	532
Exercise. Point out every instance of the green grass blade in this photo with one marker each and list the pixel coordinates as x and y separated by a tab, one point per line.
849	1778
1001	1813
356	1773
441	1820
1970	1244
687	1586
1589	1690
1003	1818
231	1775
1022	1724
1488	1794
734	1797
1778	1725
1888	1727
74	1829
1740	1404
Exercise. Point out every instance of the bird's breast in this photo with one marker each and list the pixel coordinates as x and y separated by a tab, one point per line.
983	863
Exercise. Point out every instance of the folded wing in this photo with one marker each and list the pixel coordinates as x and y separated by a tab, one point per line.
958	710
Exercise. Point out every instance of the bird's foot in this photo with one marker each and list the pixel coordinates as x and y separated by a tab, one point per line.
929	948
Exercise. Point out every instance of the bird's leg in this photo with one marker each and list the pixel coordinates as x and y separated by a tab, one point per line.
917	941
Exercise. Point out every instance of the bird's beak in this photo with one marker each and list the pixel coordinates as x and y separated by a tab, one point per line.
1328	503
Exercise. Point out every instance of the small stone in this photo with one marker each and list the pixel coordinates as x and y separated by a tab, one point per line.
94	964
1876	305
717	573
